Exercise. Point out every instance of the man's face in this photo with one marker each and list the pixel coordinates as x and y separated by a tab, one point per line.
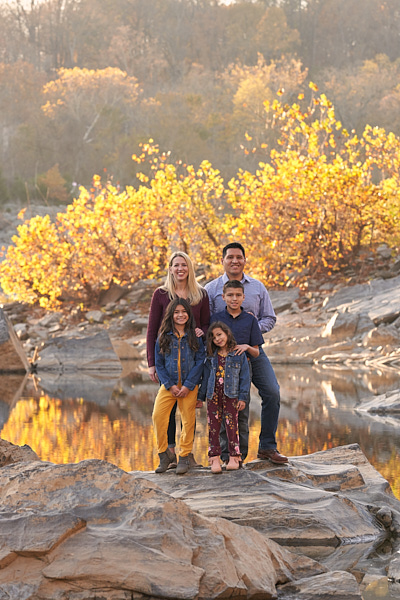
234	262
233	298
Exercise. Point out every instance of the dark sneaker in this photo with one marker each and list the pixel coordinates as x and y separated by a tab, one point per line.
183	465
273	455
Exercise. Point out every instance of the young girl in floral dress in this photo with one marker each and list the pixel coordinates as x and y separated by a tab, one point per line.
226	385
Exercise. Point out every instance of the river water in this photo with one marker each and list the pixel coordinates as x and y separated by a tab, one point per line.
110	419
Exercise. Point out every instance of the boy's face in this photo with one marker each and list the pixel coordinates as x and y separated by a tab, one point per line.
233	298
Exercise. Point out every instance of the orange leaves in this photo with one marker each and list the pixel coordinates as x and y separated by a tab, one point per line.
308	209
110	236
314	207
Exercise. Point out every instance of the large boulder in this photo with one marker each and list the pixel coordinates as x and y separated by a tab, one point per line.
91	353
12	355
90	530
323	499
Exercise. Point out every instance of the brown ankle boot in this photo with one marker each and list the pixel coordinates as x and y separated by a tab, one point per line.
165	459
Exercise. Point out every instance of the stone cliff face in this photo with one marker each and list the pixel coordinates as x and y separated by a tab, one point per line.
90	530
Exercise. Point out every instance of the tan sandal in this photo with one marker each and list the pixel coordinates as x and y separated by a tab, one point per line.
215	464
233	464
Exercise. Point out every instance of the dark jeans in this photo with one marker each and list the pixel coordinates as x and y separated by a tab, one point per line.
172	427
263	377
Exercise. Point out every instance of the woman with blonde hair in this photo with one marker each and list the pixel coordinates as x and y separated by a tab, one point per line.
180	283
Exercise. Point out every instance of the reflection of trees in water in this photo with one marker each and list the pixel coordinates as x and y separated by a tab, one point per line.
318	404
316	414
71	431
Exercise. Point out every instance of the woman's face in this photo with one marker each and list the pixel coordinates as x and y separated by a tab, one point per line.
179	269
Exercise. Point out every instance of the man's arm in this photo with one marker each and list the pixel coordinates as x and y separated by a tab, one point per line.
266	315
209	289
214	291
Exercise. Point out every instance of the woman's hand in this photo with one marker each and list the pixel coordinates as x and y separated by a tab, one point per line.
199	332
174	390
199	404
153	374
241	405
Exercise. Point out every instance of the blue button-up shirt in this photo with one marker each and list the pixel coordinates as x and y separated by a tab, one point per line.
244	327
256	301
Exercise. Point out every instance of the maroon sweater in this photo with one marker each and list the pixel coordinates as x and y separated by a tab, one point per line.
159	302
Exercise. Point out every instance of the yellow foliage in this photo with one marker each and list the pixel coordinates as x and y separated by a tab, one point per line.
309	209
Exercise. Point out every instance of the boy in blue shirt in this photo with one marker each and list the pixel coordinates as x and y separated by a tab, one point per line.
248	336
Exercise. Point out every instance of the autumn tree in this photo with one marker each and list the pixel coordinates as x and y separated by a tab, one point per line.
311	208
109	236
86	111
367	93
20	119
314	205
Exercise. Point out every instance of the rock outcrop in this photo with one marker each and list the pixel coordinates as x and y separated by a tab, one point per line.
90	530
328	498
12	355
355	325
93	353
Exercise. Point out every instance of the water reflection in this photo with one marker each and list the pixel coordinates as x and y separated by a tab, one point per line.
111	420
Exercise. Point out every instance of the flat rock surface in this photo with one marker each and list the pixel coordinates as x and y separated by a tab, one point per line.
90	530
320	499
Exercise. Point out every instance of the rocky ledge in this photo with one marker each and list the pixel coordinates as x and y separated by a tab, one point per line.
357	325
90	531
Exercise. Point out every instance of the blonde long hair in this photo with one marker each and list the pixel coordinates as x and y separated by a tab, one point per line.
195	291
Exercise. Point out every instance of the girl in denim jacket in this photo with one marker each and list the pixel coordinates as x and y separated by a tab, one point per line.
226	385
179	358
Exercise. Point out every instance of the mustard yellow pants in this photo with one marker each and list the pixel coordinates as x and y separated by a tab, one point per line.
161	412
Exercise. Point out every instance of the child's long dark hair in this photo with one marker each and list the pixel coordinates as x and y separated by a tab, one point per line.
168	325
230	343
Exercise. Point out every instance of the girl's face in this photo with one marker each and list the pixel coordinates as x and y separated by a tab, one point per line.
220	338
180	316
179	269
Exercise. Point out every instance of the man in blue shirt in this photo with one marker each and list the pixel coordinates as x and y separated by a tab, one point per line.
257	302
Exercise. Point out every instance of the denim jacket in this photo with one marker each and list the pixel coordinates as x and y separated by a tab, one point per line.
236	380
191	363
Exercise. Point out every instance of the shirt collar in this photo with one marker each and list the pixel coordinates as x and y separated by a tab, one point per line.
245	277
231	316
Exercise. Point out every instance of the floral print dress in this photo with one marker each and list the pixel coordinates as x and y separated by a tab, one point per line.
221	407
